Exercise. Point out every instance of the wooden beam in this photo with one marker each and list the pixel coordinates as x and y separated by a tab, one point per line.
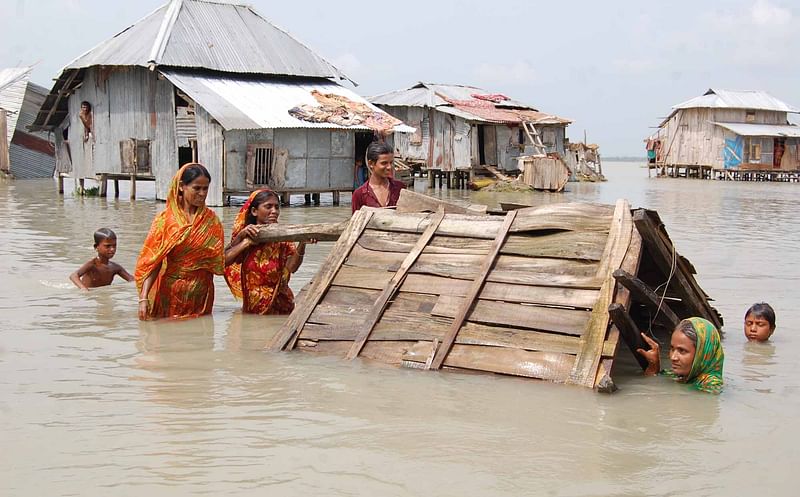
322	232
631	334
665	257
411	201
63	91
587	361
474	291
642	293
391	287
321	281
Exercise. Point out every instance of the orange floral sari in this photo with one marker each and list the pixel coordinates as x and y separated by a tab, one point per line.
260	276
186	255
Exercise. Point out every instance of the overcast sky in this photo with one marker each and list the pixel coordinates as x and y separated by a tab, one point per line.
614	67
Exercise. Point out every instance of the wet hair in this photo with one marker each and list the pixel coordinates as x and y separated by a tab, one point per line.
194	171
259	199
376	149
687	329
762	310
87	104
103	234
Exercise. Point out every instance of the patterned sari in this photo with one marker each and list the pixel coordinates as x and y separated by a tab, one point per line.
186	256
706	373
260	276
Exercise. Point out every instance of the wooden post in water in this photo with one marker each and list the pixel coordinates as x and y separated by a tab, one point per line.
60	184
104	185
335	198
133	186
116	188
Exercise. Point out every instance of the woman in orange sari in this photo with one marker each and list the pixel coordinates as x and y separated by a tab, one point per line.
182	253
259	273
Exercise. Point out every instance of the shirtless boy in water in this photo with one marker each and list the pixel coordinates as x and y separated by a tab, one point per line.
100	271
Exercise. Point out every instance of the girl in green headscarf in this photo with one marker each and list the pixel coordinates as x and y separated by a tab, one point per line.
695	353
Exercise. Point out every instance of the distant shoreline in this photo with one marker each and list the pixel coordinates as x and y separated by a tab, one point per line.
625	159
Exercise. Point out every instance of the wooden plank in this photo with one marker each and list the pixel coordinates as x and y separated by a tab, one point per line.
322	232
477	284
542	365
629	331
642	293
385	351
579	245
663	256
321	281
411	326
411	201
391	287
567	321
584	370
572	216
376	279
508	269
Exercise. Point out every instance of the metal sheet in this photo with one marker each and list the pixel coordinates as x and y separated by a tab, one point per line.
13	83
30	164
742	129
210	35
730	99
239	103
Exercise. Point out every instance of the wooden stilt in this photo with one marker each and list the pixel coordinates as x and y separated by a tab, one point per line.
431	179
104	185
335	198
307	199
642	293
116	188
81	187
60	184
315	198
133	186
286	199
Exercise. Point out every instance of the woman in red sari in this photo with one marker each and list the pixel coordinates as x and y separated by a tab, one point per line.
259	273
182	253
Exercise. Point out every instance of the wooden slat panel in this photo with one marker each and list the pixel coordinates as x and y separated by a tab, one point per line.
436	285
388	352
542	365
405	326
571	216
411	201
568	321
508	269
561	244
321	281
467	304
393	284
584	371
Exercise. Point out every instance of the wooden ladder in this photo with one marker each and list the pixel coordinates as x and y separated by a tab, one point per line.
533	136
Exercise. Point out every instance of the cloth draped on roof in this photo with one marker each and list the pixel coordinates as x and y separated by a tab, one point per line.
338	109
260	278
186	254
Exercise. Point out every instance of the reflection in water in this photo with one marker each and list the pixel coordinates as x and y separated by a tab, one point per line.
92	398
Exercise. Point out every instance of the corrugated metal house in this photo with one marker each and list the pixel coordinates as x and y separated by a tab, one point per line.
459	127
724	130
23	154
207	81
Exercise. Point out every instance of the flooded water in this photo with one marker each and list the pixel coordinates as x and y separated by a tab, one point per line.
93	402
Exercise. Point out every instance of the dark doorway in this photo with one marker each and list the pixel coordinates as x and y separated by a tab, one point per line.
363	139
185	155
779	147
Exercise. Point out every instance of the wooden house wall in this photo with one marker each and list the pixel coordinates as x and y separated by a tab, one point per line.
691	138
318	159
411	145
210	148
4	160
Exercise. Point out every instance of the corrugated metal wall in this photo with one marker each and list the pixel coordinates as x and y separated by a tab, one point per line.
30	164
319	159
128	102
404	143
210	147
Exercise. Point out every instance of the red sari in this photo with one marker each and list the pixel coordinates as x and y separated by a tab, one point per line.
186	256
260	276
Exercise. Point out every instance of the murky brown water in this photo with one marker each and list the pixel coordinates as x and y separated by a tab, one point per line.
94	403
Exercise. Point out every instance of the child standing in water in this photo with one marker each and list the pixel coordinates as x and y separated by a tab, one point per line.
100	271
759	322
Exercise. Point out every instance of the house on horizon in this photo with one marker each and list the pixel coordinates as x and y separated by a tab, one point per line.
724	131
212	82
24	154
460	127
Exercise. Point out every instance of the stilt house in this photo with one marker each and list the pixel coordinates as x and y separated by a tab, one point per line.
205	81
23	154
460	127
723	131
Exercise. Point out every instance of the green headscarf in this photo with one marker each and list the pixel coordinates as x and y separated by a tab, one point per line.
706	373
